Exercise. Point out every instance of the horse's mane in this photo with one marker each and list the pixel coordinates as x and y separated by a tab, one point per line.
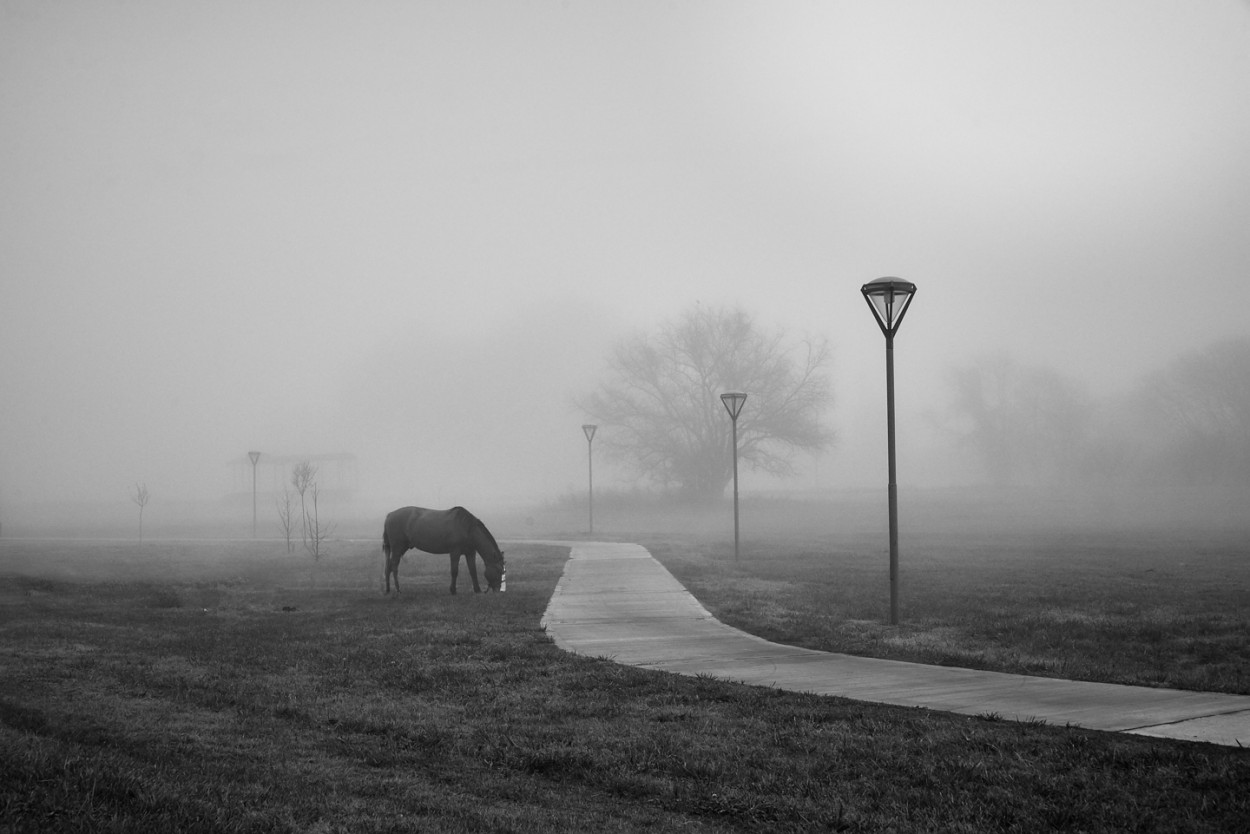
474	521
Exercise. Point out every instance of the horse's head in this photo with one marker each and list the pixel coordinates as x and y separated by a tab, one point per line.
496	573
488	549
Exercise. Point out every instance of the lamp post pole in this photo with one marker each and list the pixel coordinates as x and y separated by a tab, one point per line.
733	401
889	298
893	468
255	456
589	430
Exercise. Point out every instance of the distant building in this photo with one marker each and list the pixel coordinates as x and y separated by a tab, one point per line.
336	475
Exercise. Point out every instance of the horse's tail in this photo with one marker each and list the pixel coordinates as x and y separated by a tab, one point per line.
386	556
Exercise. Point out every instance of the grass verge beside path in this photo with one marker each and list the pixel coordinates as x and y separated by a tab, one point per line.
215	687
1169	609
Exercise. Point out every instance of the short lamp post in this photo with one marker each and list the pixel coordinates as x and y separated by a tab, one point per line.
889	298
733	401
589	430
255	456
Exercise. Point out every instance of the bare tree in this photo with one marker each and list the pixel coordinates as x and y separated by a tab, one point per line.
140	497
285	519
314	542
302	477
1196	412
1025	423
662	398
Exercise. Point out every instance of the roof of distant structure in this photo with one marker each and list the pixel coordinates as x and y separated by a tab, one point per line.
277	459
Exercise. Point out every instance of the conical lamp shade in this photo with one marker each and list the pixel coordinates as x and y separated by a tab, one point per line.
888	298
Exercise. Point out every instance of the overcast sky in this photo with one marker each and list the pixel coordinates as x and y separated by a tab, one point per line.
411	231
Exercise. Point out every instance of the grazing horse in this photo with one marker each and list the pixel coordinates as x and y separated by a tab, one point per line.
455	532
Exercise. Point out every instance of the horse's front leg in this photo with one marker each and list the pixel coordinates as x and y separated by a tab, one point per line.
471	559
455	569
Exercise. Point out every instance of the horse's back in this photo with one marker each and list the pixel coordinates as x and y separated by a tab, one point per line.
395	528
398	517
434	531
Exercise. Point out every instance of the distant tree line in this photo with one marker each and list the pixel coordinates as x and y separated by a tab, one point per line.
1187	423
659	403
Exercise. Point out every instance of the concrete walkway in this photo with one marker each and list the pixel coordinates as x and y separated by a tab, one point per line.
616	601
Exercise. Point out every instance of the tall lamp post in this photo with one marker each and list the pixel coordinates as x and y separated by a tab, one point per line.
255	456
733	401
889	298
589	430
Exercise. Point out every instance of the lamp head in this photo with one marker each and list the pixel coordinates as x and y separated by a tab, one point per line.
733	401
889	298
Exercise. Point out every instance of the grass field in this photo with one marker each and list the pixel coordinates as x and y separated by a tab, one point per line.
1150	608
226	687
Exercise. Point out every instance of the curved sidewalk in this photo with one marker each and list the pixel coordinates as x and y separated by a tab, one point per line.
617	601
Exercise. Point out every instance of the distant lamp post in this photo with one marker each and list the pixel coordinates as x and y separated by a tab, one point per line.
733	401
589	430
889	298
255	456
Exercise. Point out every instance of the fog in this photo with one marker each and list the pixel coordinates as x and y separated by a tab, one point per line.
406	235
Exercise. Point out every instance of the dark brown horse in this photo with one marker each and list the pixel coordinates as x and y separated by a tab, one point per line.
455	532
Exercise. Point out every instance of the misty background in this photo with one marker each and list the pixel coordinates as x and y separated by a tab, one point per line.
404	237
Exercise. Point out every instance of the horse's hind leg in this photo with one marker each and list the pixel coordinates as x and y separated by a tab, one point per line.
455	569
392	569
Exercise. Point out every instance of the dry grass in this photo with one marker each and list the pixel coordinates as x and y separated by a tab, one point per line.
1153	608
217	687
